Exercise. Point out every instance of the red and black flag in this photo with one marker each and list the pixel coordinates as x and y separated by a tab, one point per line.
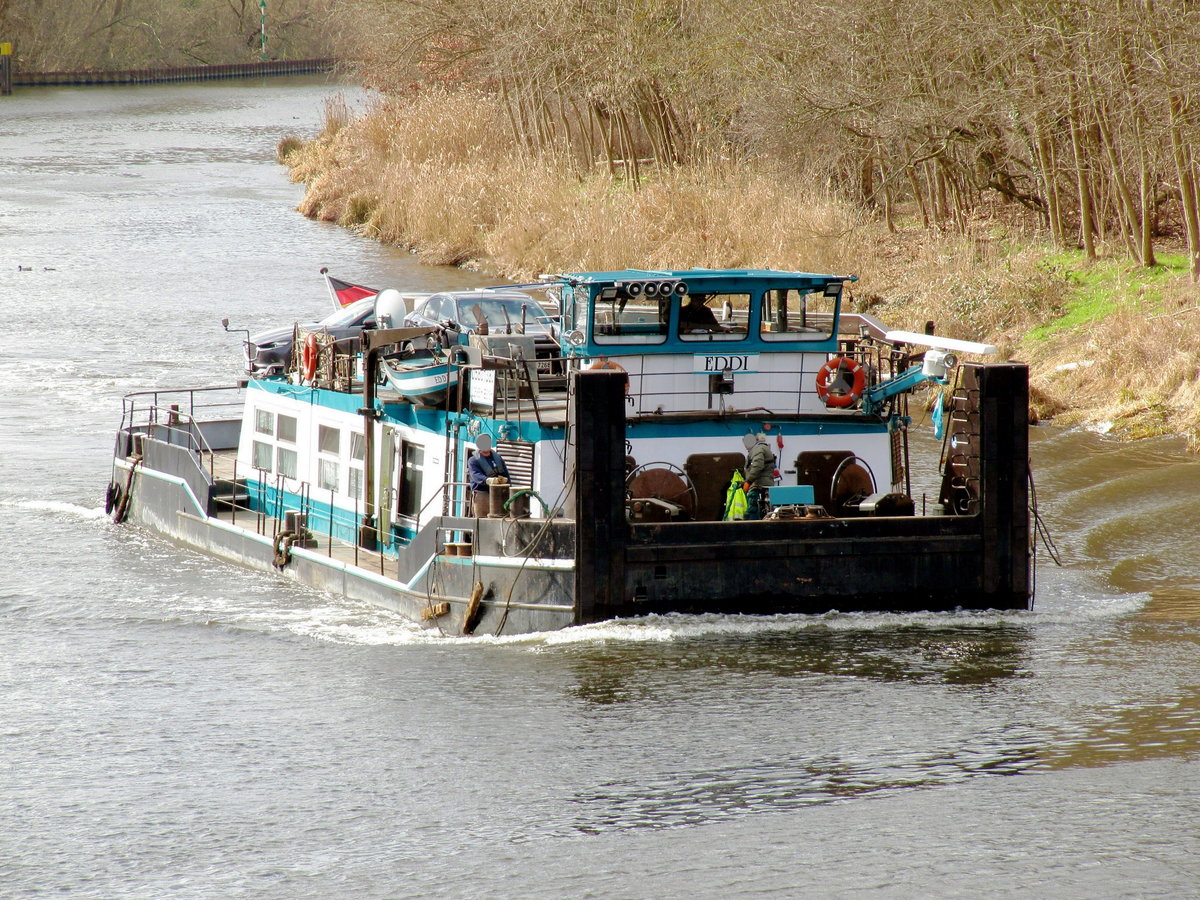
343	292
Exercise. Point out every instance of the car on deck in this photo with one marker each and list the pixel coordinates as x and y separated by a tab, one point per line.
268	352
490	311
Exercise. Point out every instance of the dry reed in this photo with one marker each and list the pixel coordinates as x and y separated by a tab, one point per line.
441	174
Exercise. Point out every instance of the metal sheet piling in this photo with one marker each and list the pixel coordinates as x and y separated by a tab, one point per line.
597	427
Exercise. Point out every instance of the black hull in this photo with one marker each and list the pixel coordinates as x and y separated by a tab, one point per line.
976	559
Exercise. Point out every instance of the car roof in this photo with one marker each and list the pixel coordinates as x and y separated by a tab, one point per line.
353	310
484	294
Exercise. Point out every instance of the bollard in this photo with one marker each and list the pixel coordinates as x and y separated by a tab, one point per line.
497	497
5	69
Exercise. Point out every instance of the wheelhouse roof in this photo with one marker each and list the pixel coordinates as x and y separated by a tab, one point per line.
700	275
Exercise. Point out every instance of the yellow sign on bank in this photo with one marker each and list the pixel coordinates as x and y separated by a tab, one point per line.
5	49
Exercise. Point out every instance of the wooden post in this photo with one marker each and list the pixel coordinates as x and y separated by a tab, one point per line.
5	69
601	532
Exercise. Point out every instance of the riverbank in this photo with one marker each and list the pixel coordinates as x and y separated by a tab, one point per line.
174	74
1110	345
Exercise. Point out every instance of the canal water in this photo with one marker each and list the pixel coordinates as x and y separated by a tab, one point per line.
171	726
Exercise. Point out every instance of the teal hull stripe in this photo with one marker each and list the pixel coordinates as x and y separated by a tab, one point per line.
266	499
327	561
736	428
434	421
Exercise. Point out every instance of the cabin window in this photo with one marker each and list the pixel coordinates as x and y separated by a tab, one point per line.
264	422
787	314
285	462
624	320
354	473
329	471
411	479
262	455
287	429
328	474
329	440
713	317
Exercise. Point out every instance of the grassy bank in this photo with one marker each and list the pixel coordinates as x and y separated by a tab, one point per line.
1109	343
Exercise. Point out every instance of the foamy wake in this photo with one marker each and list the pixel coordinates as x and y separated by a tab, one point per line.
57	507
391	629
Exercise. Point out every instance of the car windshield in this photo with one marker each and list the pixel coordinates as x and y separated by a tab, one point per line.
500	312
350	315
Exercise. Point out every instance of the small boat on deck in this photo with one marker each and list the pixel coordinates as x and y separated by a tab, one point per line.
425	377
351	471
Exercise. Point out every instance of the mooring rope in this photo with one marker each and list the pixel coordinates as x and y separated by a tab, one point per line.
521	569
1040	523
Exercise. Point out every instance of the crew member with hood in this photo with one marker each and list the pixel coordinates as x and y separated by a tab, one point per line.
760	473
480	467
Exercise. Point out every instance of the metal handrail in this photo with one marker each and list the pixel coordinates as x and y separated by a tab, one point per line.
160	407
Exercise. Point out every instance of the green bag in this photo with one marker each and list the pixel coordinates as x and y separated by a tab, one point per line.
735	499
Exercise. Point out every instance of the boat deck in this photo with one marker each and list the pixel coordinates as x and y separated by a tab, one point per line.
335	548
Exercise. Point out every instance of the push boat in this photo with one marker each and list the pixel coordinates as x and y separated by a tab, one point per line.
619	472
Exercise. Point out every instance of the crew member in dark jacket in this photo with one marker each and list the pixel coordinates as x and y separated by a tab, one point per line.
480	467
759	475
696	316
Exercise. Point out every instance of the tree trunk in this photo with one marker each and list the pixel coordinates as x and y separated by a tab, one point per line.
918	194
1146	192
1126	208
1048	163
1087	230
1186	171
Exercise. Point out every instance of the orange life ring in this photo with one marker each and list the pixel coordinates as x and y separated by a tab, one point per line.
841	369
607	364
308	358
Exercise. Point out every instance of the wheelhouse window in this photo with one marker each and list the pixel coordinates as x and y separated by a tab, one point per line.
626	320
713	317
787	314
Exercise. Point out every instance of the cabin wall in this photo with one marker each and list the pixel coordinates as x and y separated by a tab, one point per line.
687	380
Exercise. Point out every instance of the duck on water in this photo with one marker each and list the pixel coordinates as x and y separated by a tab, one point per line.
622	453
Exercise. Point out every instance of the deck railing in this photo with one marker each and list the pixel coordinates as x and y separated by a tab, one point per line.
194	418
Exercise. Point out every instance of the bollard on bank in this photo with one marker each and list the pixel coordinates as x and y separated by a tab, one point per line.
5	69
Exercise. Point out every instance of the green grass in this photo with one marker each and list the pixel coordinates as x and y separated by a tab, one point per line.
1095	290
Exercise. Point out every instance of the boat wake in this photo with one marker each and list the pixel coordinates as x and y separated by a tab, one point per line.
368	626
58	507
